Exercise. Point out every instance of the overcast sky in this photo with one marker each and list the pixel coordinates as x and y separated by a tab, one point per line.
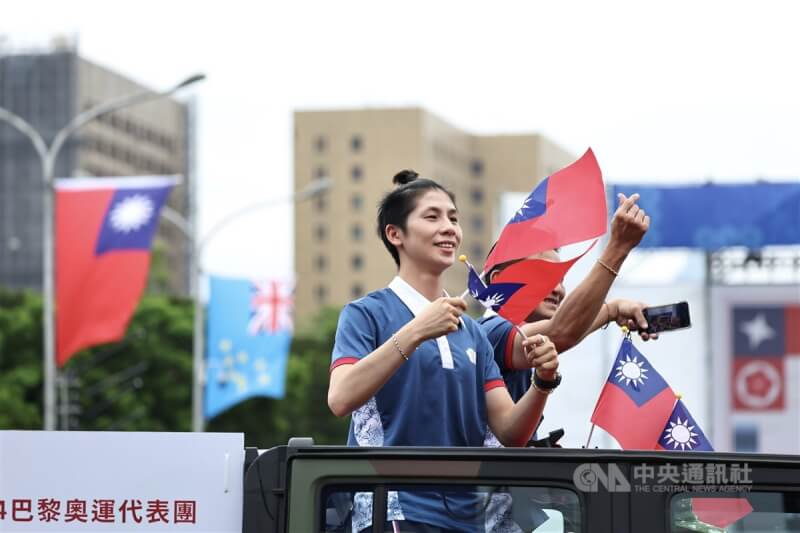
663	92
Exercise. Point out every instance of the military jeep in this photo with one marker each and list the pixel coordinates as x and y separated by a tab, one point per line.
302	488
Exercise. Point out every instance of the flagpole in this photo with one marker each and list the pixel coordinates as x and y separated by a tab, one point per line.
190	230
47	158
590	437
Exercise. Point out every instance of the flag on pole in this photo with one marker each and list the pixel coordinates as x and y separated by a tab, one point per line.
565	208
249	333
104	229
681	432
635	403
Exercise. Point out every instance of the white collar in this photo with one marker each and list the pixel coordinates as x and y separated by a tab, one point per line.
416	302
410	296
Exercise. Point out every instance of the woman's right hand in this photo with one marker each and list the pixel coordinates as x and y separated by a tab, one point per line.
440	317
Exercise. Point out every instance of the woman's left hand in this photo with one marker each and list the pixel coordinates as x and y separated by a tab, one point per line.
542	355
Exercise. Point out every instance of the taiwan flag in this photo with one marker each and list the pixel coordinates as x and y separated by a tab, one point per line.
565	208
681	432
516	291
635	403
104	229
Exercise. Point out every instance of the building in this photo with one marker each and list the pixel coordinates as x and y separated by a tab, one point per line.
338	255
48	88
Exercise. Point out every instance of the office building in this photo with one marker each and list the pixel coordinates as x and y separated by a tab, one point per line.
48	88
338	255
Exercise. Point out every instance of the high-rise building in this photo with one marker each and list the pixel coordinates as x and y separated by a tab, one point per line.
338	255
49	88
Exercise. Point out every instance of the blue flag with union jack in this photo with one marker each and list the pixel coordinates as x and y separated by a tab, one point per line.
249	332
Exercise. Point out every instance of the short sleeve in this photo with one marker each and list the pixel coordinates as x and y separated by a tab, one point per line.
489	368
501	335
356	335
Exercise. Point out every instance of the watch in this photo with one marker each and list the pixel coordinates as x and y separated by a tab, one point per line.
546	386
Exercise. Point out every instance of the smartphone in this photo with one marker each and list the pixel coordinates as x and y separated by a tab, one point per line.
667	317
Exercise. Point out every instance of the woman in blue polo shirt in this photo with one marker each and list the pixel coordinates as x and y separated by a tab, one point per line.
413	370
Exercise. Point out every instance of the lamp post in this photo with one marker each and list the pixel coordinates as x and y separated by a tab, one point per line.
197	246
47	157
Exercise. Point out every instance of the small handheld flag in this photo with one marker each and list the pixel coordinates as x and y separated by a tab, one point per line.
682	432
636	402
565	208
518	289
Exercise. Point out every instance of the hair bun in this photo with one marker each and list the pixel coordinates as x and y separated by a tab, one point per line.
404	176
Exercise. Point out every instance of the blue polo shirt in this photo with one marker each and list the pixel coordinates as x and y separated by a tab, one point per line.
501	335
433	399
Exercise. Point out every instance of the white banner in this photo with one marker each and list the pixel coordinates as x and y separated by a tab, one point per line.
107	481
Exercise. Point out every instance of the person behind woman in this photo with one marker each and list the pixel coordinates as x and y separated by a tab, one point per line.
413	370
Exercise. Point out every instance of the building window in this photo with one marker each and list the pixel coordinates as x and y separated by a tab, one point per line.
476	168
357	262
320	173
356	143
320	263
477	223
320	232
357	291
319	144
356	173
356	232
356	202
477	196
321	293
320	203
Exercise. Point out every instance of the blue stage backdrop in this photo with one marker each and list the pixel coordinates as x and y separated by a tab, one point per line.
713	216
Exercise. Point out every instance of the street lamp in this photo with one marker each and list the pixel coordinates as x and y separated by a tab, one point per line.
197	246
47	157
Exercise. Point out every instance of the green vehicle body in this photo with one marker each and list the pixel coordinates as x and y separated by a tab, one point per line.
285	487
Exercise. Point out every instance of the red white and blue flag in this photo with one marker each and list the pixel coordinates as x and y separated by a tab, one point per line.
104	229
565	208
518	289
635	403
683	433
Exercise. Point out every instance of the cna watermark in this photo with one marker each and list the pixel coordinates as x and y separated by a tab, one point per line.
667	477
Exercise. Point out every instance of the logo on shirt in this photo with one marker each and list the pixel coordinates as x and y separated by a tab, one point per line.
472	355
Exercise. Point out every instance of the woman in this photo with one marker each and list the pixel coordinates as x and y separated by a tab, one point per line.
412	369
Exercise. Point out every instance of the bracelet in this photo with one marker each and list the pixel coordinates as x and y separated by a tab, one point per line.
608	314
397	345
602	264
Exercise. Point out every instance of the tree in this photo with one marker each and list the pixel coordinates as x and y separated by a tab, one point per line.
144	382
20	360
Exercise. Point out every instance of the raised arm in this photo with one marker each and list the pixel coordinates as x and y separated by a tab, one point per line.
583	311
352	385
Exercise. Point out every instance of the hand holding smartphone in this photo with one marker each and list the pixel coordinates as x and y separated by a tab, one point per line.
667	317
